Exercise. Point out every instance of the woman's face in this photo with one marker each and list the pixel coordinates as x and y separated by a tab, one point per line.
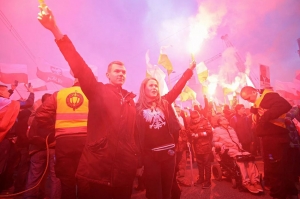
151	89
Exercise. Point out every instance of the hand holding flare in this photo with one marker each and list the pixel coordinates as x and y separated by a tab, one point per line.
43	6
193	57
46	18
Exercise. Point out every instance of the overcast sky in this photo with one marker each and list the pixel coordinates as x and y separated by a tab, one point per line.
262	32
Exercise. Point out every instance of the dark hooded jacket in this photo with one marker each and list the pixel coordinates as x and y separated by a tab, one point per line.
274	106
110	154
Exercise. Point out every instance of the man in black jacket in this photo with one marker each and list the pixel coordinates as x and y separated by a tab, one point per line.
268	114
110	157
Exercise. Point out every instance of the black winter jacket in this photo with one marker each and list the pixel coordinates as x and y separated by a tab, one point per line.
275	106
110	154
171	118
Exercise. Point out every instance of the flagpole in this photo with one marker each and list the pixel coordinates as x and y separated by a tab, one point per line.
169	81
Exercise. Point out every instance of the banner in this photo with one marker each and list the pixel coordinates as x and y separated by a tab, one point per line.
202	72
158	74
187	94
38	85
11	72
54	74
264	76
288	90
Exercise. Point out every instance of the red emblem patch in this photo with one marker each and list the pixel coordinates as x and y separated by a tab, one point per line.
74	100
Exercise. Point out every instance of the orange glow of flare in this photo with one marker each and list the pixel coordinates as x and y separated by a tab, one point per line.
43	5
211	88
234	86
197	35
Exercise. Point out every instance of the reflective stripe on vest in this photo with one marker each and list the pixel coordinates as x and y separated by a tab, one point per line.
279	121
71	112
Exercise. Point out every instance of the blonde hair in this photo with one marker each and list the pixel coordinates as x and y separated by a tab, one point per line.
144	102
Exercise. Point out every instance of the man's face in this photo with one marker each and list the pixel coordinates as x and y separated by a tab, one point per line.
117	74
241	111
223	121
249	96
4	92
151	89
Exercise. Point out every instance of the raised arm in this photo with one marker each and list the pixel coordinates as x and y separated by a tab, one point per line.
78	66
46	18
30	100
177	89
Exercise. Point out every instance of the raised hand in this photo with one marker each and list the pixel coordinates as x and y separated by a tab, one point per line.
46	18
193	65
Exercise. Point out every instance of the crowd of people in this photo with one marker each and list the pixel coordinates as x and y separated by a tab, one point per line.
92	140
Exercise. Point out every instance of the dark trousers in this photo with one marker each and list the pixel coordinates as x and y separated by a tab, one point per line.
5	149
68	152
176	190
98	191
204	164
22	169
159	177
279	167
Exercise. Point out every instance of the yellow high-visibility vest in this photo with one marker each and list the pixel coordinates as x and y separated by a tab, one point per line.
71	112
279	121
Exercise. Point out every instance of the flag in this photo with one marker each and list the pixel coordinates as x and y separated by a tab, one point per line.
11	72
248	81
264	76
158	74
202	72
288	90
226	90
55	74
205	90
164	60
38	85
187	94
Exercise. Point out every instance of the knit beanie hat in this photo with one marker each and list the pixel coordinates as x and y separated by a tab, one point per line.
194	115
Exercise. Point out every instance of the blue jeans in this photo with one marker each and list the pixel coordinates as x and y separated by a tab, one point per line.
37	167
